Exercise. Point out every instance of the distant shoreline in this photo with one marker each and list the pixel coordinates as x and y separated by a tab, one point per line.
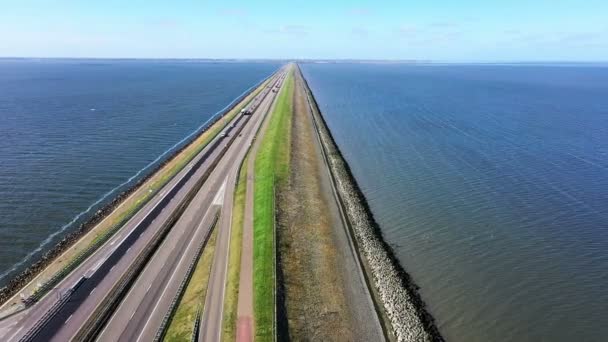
310	61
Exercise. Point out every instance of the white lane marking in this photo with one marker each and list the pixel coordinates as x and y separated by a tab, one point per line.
76	282
66	321
219	333
116	239
219	197
172	276
9	338
113	250
98	264
148	289
133	314
96	267
93	290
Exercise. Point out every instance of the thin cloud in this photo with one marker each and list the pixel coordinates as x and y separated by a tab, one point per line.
572	39
166	23
512	32
406	31
359	11
532	38
445	24
426	36
440	38
233	12
291	30
581	37
360	32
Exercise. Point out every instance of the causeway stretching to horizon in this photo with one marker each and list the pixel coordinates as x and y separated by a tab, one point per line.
403	171
254	230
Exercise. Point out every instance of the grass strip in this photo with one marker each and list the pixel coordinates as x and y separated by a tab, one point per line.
234	261
182	323
271	168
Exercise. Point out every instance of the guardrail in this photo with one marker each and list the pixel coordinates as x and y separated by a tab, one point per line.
44	320
33	332
197	324
162	329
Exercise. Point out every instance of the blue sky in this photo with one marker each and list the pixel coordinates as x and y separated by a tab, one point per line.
448	30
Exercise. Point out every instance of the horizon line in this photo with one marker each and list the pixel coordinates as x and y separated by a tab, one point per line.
305	60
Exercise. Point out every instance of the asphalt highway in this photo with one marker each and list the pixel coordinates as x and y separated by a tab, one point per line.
144	308
96	277
213	310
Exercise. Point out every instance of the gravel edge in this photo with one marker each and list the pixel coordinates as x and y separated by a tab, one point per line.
397	291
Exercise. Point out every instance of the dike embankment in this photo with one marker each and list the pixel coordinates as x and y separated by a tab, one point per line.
393	287
16	283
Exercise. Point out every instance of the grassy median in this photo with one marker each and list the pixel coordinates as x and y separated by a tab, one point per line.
234	261
271	168
182	322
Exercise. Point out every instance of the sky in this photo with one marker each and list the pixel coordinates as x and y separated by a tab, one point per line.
433	30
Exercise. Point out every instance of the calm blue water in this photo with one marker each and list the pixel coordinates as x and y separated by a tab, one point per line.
491	182
72	131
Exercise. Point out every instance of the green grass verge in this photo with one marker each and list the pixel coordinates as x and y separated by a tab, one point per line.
182	322
271	165
234	261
